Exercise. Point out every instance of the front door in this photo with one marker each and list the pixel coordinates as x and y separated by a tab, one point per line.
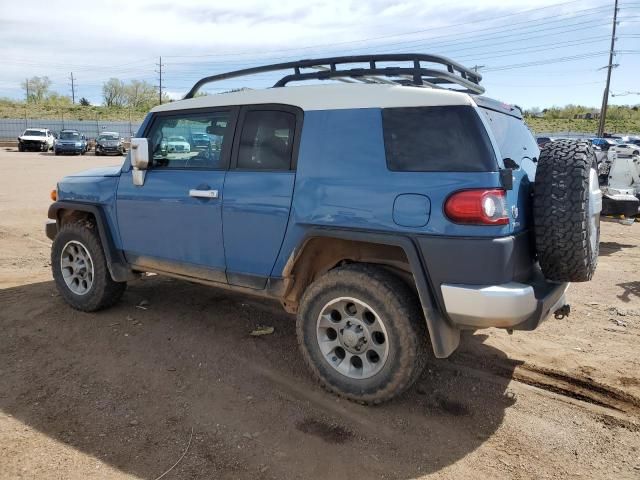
258	191
173	223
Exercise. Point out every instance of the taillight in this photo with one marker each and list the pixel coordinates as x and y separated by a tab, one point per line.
478	207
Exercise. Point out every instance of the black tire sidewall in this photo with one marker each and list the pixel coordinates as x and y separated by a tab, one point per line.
404	342
98	296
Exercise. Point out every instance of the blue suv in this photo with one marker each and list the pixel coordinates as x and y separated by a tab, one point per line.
388	213
70	141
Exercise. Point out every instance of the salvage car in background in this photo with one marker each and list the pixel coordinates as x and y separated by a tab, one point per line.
71	141
110	143
40	139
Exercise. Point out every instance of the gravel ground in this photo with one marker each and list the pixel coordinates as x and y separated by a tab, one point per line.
126	392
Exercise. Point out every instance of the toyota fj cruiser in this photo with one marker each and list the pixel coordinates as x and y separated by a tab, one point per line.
388	212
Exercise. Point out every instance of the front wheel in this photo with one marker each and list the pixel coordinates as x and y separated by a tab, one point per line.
362	333
80	269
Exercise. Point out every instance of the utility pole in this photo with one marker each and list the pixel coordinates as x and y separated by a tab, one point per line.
26	82
73	90
159	71
605	96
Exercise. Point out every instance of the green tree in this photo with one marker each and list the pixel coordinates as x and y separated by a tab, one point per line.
84	102
114	93
140	95
36	88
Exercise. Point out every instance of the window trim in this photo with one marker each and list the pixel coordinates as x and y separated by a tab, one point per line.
227	146
270	107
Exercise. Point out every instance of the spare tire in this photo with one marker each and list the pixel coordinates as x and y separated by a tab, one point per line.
566	211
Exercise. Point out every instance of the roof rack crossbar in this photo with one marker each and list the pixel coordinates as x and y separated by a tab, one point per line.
439	77
455	74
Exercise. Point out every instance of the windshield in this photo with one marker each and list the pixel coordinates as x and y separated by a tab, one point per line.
109	136
69	136
33	133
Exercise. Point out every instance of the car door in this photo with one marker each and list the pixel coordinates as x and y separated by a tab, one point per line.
173	222
258	191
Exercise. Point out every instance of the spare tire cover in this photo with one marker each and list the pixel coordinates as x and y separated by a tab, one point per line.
566	211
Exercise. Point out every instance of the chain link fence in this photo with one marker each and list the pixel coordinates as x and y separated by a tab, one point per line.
11	129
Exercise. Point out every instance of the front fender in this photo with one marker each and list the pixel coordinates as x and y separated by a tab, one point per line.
118	267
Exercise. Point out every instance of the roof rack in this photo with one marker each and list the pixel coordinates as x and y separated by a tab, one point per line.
454	74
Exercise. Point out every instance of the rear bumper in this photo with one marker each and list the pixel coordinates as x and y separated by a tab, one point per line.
489	282
512	305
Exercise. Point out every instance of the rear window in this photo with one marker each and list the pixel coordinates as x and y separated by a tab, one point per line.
515	140
436	139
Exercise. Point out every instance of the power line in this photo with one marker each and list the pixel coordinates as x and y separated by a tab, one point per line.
605	95
308	47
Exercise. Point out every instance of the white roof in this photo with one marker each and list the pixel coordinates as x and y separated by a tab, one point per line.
329	97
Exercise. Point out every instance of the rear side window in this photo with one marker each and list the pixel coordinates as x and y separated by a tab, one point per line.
266	141
436	139
515	140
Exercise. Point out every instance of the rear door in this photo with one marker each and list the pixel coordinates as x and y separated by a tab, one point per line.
258	191
173	223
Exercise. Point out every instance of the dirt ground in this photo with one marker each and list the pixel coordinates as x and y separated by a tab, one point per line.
124	393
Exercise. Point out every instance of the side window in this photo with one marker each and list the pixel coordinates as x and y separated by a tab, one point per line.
436	139
192	140
266	141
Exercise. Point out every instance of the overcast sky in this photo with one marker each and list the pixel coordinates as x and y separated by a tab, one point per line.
531	52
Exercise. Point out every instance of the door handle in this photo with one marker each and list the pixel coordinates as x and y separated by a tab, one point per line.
203	193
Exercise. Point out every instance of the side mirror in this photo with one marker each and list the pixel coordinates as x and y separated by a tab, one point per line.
597	148
139	159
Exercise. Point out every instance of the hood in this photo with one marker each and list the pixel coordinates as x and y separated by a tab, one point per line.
113	171
32	137
108	143
69	141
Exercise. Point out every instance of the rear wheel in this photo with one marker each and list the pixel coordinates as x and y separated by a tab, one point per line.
80	269
362	333
566	207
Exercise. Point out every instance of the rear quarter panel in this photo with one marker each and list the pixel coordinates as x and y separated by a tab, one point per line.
342	181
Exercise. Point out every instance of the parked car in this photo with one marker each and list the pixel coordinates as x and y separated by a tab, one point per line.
71	141
388	217
606	154
201	140
109	143
40	139
627	149
178	144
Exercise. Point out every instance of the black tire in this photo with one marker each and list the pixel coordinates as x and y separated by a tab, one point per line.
104	292
635	152
566	247
97	154
20	148
395	303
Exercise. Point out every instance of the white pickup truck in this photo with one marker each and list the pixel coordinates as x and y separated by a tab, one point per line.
36	139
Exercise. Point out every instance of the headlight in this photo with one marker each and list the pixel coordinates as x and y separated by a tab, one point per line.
78	144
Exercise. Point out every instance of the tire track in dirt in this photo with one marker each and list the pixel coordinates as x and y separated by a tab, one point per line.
561	383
